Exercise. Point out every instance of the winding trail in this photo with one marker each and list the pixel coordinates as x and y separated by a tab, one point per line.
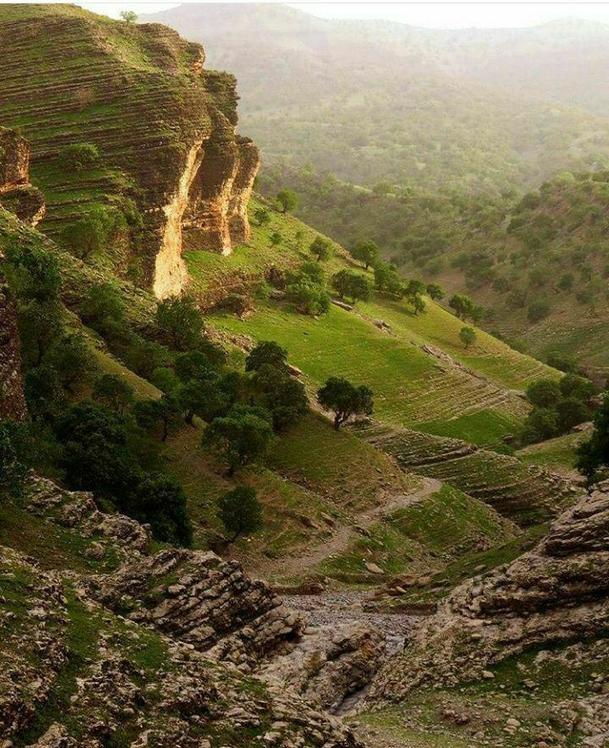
342	537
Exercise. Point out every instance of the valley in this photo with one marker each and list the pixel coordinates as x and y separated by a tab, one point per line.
262	482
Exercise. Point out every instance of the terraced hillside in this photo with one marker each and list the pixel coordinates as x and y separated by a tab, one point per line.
526	494
420	372
158	132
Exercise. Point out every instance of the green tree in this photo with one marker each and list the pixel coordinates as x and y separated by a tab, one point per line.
240	512
267	352
95	454
288	200
345	399
14	458
91	233
282	395
262	216
593	455
152	414
538	310
102	308
180	322
113	393
275	239
351	285
366	252
308	298
203	397
541	423
544	393
574	386
467	335
321	248
387	280
571	412
79	156
240	437
160	501
435	292
72	358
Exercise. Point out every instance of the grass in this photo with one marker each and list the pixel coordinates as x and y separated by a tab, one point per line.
314	477
559	453
422	538
408	388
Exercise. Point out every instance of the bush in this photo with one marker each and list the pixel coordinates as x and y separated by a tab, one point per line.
161	502
541	423
352	285
180	323
240	437
79	156
544	393
538	310
14	458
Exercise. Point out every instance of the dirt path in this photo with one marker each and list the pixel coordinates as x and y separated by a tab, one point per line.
340	540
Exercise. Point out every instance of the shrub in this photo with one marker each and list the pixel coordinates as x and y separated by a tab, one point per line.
538	310
79	156
180	323
544	393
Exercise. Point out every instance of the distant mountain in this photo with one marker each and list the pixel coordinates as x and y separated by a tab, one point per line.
370	101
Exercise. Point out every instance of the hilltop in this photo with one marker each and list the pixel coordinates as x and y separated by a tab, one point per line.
120	119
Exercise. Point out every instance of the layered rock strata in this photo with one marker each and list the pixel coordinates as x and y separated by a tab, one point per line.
164	128
557	592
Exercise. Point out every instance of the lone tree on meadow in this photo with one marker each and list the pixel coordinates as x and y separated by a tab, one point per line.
240	512
321	249
287	200
345	399
128	16
366	252
467	335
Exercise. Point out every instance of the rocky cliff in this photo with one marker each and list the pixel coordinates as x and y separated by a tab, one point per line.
162	125
170	648
557	592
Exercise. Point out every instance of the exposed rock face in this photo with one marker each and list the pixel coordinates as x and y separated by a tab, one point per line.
198	598
16	192
329	664
77	510
12	400
156	690
556	592
14	160
164	128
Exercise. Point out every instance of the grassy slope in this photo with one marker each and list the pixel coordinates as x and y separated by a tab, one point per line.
422	538
557	454
411	387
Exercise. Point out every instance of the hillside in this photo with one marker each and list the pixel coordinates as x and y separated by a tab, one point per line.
255	492
537	263
93	96
409	106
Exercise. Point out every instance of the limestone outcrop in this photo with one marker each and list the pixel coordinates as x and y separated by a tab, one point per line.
16	193
107	678
164	128
196	597
557	592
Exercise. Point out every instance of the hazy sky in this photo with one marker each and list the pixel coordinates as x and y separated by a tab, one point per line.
431	14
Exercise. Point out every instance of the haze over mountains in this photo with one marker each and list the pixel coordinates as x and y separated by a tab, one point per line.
477	109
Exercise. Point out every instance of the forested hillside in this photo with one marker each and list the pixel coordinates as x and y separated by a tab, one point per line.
379	102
